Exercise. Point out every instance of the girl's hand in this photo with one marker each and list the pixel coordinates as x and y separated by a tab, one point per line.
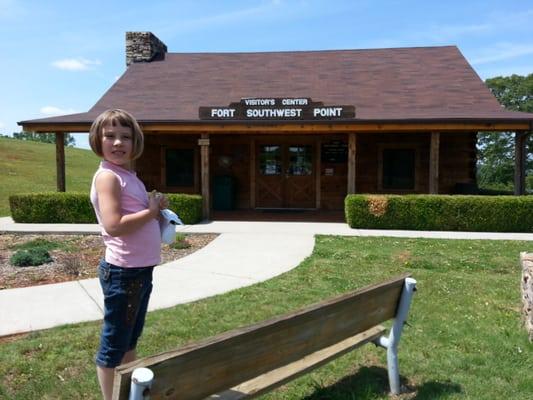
154	202
163	203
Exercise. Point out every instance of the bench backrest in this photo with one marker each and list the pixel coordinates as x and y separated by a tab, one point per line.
221	362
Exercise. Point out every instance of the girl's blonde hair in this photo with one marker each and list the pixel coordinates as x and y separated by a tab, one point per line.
114	117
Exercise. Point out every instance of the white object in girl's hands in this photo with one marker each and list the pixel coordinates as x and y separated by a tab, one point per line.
167	224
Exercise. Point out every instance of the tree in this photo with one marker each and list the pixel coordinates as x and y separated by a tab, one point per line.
496	150
496	160
514	92
44	137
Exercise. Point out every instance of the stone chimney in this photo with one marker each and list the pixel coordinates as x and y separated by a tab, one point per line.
144	47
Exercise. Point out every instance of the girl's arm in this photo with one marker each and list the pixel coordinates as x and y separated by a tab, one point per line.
114	223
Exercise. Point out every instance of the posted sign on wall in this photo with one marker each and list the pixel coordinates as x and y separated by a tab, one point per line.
277	109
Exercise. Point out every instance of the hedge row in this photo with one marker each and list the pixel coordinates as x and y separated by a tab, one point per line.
440	212
187	206
53	207
58	207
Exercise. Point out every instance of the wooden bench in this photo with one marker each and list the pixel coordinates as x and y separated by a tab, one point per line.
249	361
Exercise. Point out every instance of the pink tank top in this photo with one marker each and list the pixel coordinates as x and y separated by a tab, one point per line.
141	248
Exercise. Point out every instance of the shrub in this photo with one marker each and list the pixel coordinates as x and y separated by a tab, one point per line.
440	212
30	257
181	242
53	207
71	207
187	206
41	243
72	265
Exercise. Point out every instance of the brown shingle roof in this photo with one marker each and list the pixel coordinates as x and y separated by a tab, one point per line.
424	83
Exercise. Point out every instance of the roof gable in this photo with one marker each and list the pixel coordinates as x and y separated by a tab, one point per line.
381	84
424	83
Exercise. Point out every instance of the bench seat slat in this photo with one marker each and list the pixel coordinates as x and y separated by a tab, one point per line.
280	376
224	361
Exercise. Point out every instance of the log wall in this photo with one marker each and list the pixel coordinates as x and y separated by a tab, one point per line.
231	155
369	160
333	179
458	157
150	167
457	160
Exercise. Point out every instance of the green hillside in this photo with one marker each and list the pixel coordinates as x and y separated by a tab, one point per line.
31	167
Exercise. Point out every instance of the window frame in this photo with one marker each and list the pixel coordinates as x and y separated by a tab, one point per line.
195	187
392	146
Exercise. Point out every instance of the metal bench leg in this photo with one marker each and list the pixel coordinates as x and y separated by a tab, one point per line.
141	382
391	342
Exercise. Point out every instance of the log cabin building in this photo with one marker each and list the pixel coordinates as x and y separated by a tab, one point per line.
300	130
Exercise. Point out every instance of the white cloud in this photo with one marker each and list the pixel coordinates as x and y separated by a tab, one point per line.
502	51
75	64
51	110
487	71
447	32
2	125
512	19
495	23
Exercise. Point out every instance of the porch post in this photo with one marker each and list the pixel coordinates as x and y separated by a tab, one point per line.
204	168
318	185
520	139
252	173
352	144
434	163
60	161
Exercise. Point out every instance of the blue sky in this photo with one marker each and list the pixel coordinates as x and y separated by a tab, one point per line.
59	57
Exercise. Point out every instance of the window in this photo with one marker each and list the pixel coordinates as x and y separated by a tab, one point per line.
300	160
399	169
179	167
270	160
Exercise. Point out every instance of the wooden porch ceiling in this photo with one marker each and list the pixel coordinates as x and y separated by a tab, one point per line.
284	128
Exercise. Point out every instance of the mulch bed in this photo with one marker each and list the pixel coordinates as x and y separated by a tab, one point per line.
77	259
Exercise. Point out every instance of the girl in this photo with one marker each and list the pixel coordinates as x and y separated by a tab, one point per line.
130	230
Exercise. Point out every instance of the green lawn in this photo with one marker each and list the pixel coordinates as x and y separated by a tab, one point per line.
464	339
31	167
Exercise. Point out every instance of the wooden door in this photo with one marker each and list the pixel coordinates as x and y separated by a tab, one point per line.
269	176
285	176
299	176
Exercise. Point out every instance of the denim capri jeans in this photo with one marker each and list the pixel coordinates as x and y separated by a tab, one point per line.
126	295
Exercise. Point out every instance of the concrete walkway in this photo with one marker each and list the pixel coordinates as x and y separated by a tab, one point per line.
337	228
243	254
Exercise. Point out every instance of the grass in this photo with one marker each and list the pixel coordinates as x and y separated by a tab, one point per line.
464	339
180	242
42	243
29	167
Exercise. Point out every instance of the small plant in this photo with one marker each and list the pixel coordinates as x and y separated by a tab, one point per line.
180	243
72	265
36	243
30	257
